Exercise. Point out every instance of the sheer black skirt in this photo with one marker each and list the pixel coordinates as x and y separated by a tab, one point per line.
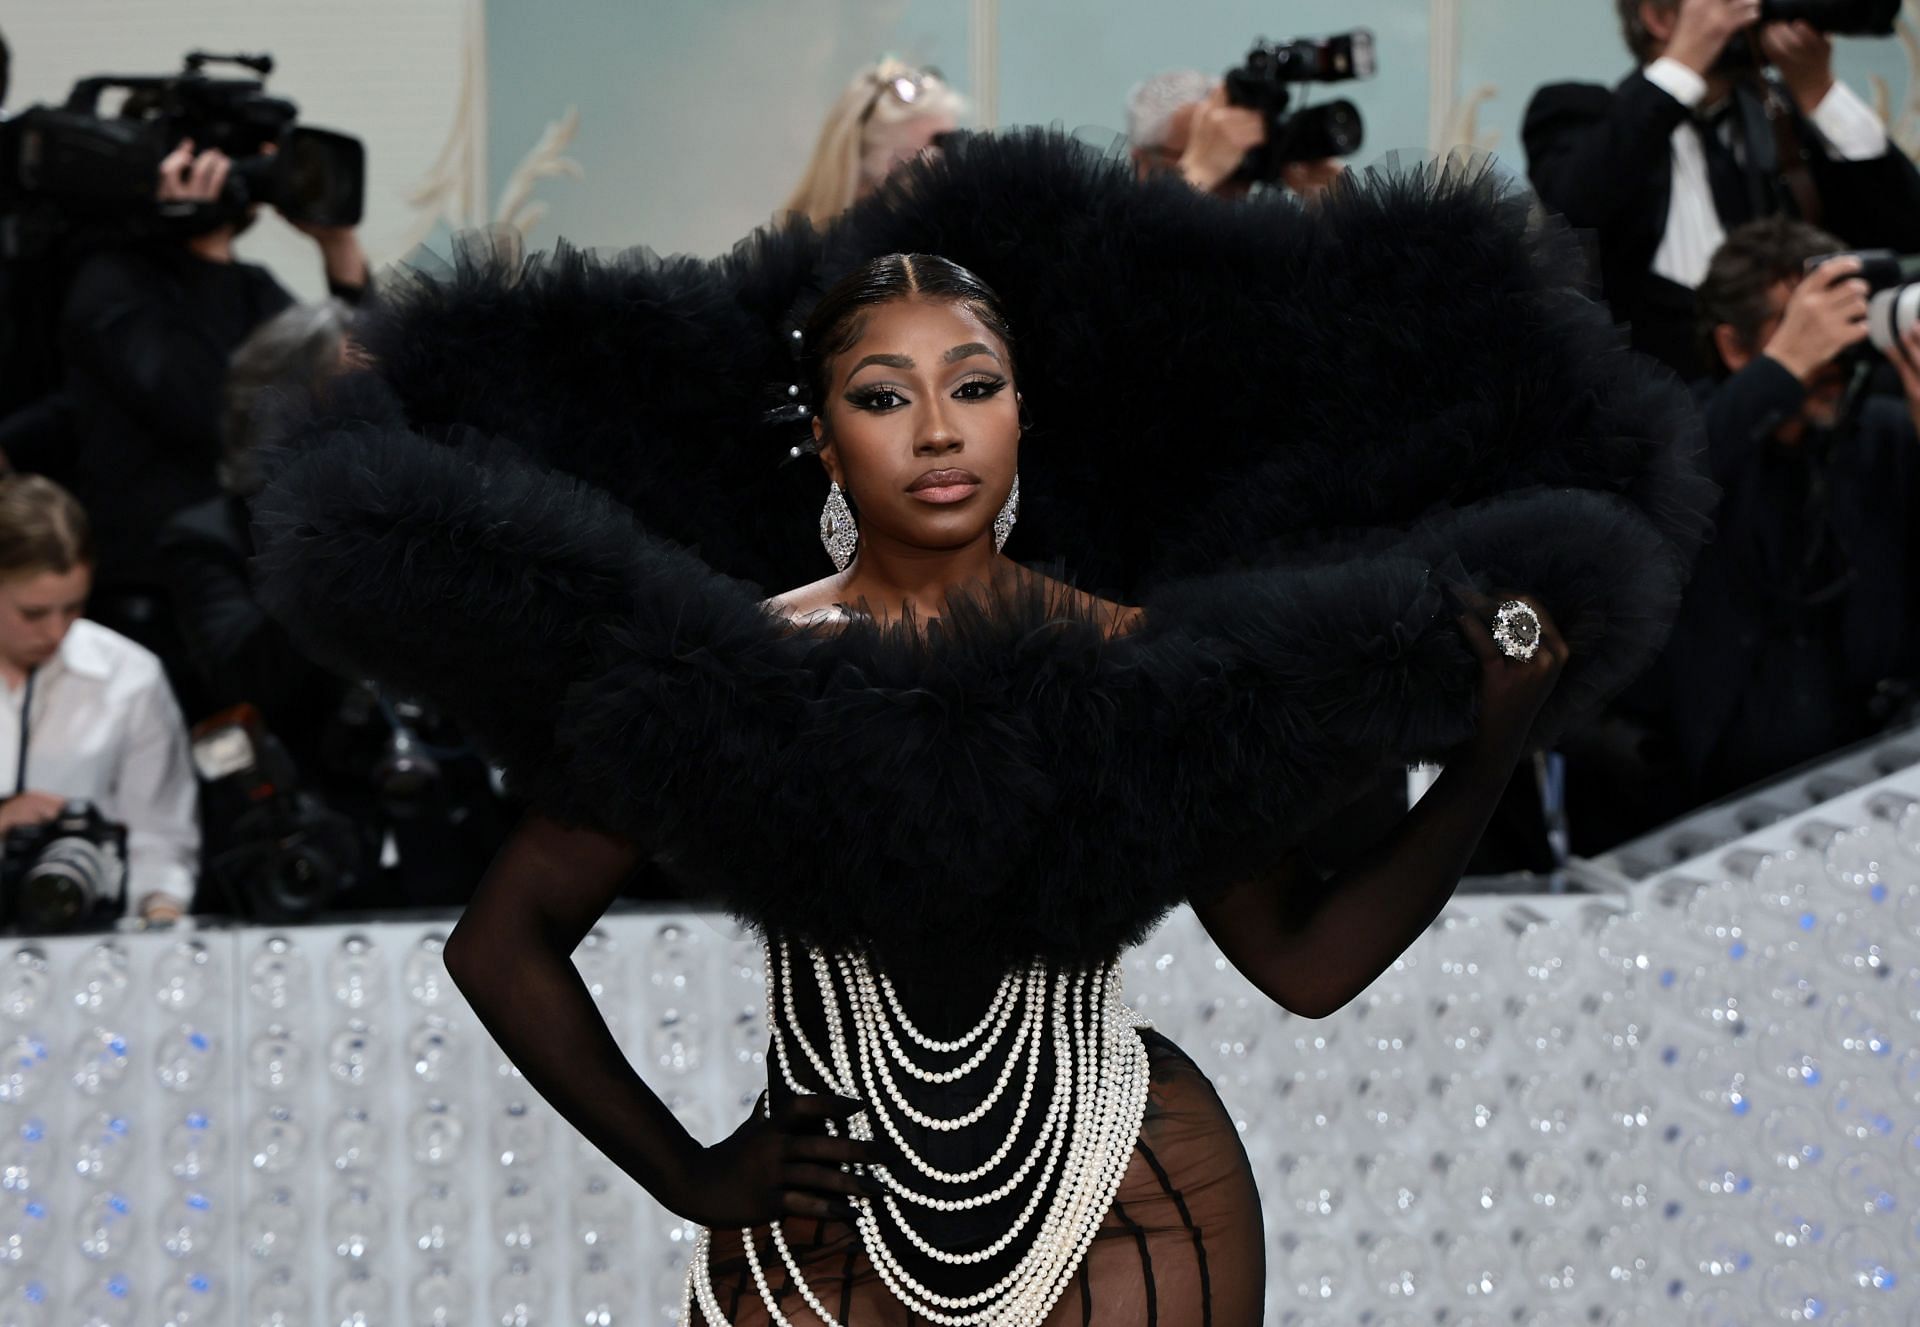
1181	1246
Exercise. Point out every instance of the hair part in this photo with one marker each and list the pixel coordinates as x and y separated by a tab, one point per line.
1640	39
864	112
42	528
1754	259
837	320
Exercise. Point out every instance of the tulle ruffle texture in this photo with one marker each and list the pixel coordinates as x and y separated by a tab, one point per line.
554	507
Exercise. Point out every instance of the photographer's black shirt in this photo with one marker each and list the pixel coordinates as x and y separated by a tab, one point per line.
146	335
1802	610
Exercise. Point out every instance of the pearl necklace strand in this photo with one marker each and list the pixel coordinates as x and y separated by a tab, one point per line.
1087	1135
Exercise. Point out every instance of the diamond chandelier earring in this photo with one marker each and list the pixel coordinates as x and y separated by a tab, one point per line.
1009	513
841	536
837	530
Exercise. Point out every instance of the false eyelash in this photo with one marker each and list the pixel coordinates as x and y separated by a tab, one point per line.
865	397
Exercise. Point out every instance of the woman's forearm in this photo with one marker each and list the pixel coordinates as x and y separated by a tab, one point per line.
1381	904
534	1003
1374	908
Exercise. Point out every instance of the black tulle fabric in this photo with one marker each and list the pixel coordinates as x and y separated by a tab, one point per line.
555	507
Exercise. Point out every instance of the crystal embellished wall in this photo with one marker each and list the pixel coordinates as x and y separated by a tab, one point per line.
1698	1102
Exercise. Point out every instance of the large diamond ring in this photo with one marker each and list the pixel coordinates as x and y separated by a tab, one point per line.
1516	629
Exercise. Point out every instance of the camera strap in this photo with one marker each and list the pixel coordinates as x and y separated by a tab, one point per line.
1790	153
26	719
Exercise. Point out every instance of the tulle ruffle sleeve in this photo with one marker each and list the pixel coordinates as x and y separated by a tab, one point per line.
555	503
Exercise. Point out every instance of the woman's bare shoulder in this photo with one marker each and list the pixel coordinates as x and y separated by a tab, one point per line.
808	604
1116	619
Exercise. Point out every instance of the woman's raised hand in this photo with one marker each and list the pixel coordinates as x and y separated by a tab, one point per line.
1511	690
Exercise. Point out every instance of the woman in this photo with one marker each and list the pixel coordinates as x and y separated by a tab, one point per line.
947	788
890	113
86	714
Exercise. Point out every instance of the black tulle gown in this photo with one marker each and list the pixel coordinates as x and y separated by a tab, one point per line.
557	502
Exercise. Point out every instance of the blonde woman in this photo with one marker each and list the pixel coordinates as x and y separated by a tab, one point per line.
891	112
86	714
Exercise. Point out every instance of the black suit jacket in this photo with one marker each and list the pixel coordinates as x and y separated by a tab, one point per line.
1805	603
1602	158
145	334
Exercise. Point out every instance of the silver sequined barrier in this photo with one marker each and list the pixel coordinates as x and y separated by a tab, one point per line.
1693	1101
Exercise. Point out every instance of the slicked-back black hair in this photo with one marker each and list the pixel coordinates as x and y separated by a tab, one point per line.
836	321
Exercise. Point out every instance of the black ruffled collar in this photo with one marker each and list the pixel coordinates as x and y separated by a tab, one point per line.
1403	389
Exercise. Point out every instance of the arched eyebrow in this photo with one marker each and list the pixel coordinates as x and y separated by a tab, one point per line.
966	351
887	359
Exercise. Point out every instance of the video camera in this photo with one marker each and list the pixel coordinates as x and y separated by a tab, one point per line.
69	166
1265	83
64	874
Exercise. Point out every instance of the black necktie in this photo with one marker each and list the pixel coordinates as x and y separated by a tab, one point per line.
1725	176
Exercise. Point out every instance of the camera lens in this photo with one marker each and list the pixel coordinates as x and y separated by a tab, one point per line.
70	876
303	880
1890	313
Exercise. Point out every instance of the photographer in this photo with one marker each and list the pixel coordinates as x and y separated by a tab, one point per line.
237	653
420	804
1798	631
1181	121
1684	150
87	714
145	334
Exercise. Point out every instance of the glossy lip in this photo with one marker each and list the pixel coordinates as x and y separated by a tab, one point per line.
944	479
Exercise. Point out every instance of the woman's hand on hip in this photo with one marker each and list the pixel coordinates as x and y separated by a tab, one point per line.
780	1167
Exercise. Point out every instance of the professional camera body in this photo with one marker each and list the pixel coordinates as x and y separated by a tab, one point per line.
1266	81
85	167
67	873
277	851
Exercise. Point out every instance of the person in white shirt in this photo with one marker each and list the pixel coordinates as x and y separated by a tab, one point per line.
86	714
1663	165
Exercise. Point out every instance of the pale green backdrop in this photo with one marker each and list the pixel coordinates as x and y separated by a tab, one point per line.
695	117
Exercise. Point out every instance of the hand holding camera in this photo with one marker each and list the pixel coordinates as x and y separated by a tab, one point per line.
187	176
1804	56
1825	316
1702	29
1708	36
29	808
199	178
1222	136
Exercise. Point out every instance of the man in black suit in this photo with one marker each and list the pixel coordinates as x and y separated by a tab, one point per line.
1681	151
1797	634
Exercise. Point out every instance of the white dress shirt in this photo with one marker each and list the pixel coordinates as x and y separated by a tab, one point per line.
1850	129
105	728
